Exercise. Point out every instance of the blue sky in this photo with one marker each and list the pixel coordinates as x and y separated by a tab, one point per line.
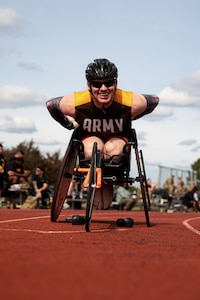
46	45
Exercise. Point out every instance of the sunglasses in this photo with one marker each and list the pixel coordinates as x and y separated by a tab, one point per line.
107	83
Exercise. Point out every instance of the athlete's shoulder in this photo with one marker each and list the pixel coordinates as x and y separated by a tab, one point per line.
124	97
82	97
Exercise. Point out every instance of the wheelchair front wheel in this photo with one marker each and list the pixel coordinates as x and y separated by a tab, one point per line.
91	188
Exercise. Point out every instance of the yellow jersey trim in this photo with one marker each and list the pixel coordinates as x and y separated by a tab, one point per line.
81	98
121	97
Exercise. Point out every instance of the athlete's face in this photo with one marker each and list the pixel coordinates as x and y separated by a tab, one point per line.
103	91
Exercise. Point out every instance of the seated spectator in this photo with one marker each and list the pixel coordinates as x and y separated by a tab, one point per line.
151	187
15	169
40	185
124	197
191	199
169	188
181	189
73	194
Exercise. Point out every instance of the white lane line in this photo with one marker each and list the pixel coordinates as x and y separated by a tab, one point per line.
23	219
47	231
188	226
54	232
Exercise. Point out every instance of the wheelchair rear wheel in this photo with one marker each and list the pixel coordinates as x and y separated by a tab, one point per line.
64	180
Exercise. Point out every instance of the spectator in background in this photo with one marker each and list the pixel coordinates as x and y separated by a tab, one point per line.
40	185
2	169
169	188
191	199
181	189
151	187
15	169
73	194
124	197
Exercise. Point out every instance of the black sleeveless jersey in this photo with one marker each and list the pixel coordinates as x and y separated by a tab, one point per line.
115	120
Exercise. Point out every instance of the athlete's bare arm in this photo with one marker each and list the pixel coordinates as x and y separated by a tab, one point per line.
139	105
142	105
67	105
61	108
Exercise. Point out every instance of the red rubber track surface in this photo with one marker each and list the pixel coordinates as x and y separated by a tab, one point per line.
44	260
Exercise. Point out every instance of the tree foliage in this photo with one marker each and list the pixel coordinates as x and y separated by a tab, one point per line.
196	167
34	158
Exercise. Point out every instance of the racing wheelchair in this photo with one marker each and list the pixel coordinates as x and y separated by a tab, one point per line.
97	172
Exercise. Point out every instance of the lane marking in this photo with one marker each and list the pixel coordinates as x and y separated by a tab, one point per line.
53	232
188	226
50	231
23	219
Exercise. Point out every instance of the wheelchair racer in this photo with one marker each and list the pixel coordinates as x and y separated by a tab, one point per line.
103	111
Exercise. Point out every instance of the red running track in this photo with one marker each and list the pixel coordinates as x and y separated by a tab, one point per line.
44	260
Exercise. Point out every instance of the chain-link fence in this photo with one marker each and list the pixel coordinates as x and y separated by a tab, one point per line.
188	176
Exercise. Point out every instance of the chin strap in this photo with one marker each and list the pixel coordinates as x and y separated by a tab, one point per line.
152	102
53	105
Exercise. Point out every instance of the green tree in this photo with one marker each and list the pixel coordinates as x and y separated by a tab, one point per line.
52	165
196	167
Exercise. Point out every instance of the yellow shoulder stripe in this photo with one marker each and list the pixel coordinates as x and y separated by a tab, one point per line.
81	98
123	97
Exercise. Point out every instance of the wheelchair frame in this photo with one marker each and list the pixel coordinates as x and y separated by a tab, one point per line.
95	172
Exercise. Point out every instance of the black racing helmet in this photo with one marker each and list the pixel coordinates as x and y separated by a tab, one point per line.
101	68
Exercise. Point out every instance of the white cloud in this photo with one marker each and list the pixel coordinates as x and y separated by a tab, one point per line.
45	140
191	85
29	66
17	125
18	96
196	149
142	136
8	18
188	142
185	92
183	164
9	51
161	111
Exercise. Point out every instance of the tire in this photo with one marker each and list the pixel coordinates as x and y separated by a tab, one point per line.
91	188
64	180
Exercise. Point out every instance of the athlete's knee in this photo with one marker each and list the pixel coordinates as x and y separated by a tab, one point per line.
88	145
114	147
